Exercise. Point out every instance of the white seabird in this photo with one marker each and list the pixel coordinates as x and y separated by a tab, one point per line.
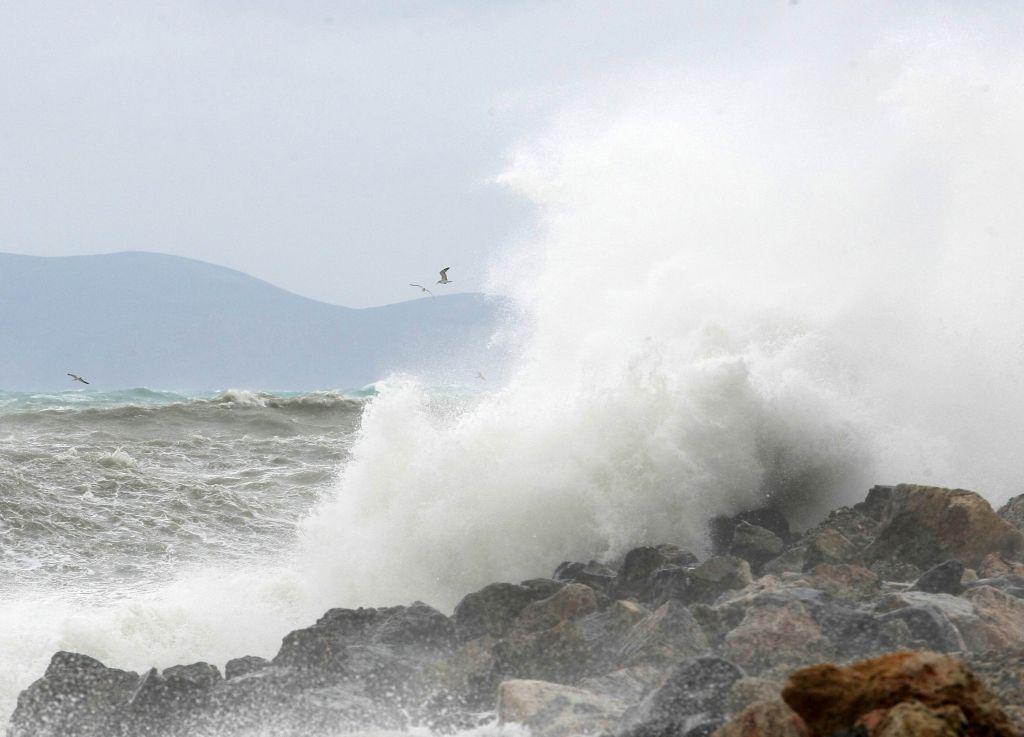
444	276
422	288
76	377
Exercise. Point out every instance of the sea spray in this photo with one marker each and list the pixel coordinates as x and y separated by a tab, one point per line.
746	289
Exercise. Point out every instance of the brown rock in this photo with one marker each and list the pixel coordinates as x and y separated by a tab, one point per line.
764	719
925	525
831	698
995	565
1002	616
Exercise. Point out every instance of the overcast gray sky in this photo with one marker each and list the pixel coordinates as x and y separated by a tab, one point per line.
337	149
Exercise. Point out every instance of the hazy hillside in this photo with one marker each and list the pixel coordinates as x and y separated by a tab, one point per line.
144	319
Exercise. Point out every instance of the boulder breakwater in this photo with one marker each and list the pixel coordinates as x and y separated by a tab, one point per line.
900	615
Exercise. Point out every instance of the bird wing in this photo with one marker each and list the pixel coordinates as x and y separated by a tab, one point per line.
72	376
83	381
444	272
416	285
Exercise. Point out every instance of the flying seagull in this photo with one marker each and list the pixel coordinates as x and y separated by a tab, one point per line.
422	289
479	375
76	377
444	276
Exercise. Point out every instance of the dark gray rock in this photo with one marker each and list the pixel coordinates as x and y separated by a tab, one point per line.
244	665
416	626
755	544
876	503
721	529
928	628
78	696
693	696
492	609
543	587
942	579
596	575
635	575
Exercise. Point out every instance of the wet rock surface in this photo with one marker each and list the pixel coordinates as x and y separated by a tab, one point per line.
655	643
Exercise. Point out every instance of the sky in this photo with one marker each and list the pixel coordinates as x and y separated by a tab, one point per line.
337	149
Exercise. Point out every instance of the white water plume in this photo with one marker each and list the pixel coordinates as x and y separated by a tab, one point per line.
779	283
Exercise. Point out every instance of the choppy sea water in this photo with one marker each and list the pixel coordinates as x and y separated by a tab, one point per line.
120	512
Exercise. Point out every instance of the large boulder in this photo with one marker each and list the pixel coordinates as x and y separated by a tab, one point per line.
831	698
556	710
594	574
926	525
845	581
775	632
1002	616
78	696
493	609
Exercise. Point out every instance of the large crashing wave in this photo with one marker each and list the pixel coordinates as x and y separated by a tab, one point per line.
747	288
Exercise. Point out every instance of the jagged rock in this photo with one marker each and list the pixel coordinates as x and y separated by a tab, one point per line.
78	696
560	654
754	544
831	698
555	710
722	528
776	632
668	633
845	581
942	579
241	666
492	609
596	575
927	525
1013	511
767	718
995	565
929	628
694	694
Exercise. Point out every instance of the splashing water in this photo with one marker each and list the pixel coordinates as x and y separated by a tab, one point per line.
745	289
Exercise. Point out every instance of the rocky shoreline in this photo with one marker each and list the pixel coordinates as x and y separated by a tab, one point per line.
901	615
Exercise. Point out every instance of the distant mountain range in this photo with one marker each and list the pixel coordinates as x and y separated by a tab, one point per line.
145	319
